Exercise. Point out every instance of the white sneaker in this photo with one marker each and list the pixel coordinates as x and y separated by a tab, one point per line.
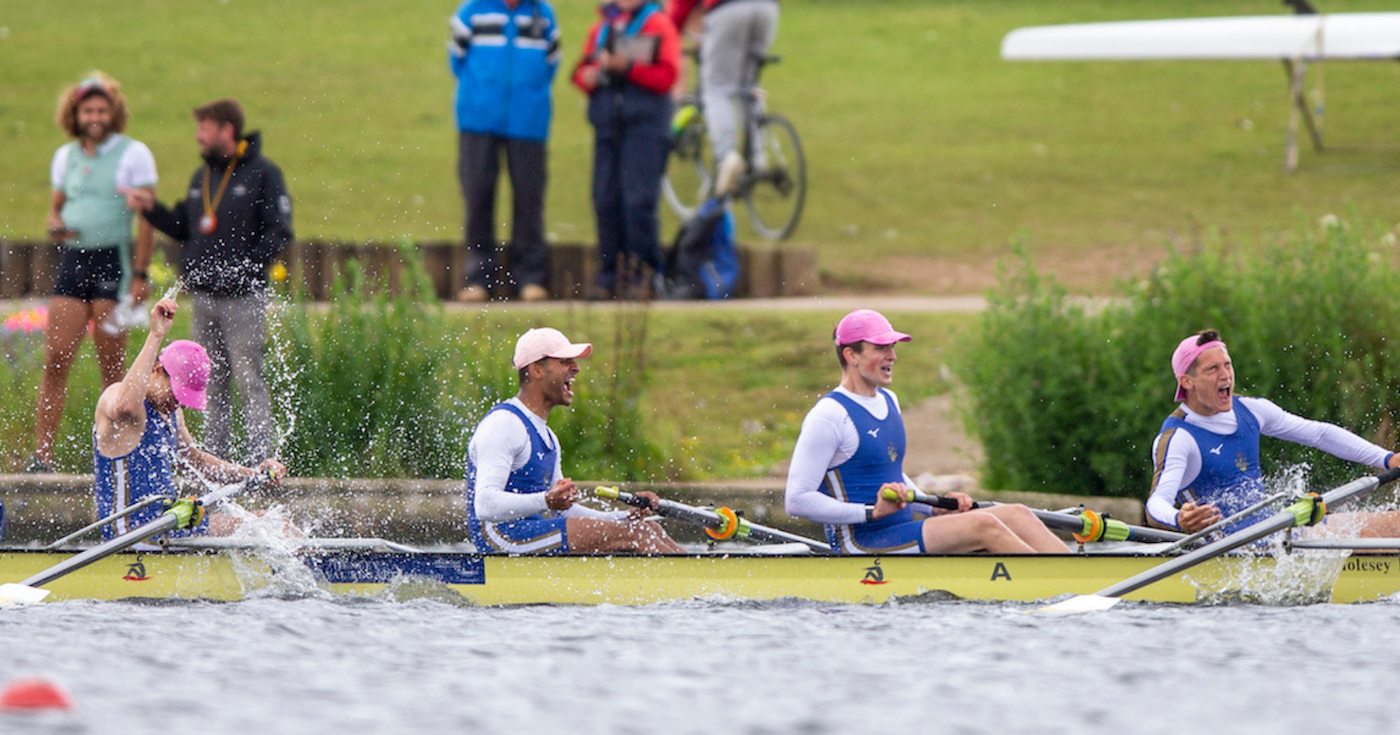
731	169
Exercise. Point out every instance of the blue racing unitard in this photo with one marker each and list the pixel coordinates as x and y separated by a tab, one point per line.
148	470
878	460
1230	478
536	534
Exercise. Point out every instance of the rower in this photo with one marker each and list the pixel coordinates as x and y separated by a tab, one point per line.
1205	460
139	433
518	500
851	449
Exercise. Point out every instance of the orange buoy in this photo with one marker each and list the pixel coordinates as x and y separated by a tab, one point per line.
34	694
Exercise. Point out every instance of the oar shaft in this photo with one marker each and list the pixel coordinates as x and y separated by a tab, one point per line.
114	517
1117	530
706	518
166	522
1275	523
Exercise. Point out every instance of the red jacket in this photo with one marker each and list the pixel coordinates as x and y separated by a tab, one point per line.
657	76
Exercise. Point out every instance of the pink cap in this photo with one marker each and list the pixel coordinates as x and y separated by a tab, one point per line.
1185	356
865	325
187	364
537	344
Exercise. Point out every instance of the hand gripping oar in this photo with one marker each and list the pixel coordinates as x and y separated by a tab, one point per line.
1305	512
184	513
719	524
1086	527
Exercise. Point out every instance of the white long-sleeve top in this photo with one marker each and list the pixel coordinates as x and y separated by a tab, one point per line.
501	445
828	438
1178	466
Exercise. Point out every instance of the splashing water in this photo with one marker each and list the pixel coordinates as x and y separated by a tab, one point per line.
1279	576
270	566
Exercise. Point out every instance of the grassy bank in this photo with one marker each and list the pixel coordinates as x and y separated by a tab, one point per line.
724	393
924	146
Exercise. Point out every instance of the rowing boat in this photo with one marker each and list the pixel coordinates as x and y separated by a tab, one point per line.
227	571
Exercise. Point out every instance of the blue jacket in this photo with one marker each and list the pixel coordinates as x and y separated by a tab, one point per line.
505	62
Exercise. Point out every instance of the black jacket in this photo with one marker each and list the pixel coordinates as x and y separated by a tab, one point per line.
253	224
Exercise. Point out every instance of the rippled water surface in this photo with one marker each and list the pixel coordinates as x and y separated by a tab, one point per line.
357	665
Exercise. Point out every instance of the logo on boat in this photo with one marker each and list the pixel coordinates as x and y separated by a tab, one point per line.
1373	564
136	572
874	574
1001	572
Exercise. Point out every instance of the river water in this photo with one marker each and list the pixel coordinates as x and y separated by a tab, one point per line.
324	664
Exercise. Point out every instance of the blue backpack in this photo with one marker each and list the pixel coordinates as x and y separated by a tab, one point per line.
703	263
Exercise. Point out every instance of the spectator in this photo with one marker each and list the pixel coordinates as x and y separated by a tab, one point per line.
229	233
629	65
90	220
504	54
735	31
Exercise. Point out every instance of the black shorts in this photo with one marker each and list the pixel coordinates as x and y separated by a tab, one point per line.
89	275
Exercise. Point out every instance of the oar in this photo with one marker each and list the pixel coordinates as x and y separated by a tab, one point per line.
720	524
1223	522
1302	512
1087	526
114	517
182	514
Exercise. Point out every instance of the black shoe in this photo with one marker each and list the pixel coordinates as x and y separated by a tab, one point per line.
38	467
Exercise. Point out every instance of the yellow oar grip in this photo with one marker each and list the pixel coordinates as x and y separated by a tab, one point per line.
1309	510
889	493
611	493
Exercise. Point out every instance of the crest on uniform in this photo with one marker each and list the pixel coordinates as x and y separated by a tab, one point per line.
894	453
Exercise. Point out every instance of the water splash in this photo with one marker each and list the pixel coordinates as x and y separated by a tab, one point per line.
271	566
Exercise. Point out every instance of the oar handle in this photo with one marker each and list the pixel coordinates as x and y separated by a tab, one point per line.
724	522
612	493
918	496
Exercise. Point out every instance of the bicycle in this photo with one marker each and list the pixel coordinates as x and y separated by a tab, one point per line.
774	184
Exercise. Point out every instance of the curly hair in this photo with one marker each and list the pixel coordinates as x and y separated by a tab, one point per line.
94	83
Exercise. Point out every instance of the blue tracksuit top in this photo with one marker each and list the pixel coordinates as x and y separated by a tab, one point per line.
504	60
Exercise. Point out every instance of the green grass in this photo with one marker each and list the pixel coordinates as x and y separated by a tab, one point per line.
921	140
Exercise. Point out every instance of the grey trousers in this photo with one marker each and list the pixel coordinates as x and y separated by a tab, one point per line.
234	331
734	31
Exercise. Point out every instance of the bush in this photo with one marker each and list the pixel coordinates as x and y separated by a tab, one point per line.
387	387
1068	399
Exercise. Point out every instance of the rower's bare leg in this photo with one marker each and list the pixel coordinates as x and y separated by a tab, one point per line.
1022	522
595	535
1364	525
961	533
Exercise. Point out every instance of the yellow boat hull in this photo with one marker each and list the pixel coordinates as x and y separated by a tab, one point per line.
636	580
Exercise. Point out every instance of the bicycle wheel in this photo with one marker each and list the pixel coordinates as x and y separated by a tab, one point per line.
776	186
690	166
